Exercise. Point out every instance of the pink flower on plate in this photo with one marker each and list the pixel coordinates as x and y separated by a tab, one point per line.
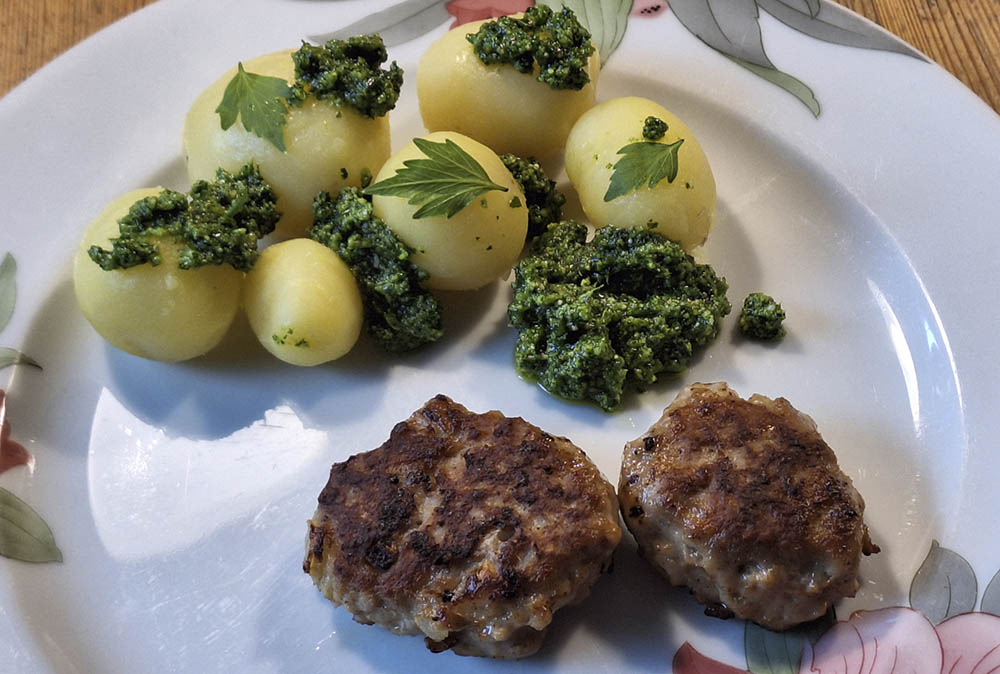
894	640
466	11
687	660
971	643
11	453
647	9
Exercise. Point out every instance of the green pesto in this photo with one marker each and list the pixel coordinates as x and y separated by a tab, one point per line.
346	72
654	128
400	314
544	201
216	223
282	336
285	333
761	318
597	318
554	40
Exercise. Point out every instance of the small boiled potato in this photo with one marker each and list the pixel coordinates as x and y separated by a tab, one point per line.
478	244
162	312
498	106
303	302
323	143
683	209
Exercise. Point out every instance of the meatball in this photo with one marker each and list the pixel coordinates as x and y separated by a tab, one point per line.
472	529
743	502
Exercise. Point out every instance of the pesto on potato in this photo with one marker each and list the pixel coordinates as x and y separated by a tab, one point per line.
307	138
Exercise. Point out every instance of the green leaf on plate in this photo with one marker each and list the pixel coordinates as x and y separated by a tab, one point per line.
260	103
443	184
23	534
944	585
606	20
10	357
645	163
772	652
991	598
8	289
838	25
790	84
397	24
731	27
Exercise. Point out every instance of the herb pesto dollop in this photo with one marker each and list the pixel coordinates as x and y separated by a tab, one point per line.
544	201
761	318
347	72
597	318
216	223
654	128
554	40
400	314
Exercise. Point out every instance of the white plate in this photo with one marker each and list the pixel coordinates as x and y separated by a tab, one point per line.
178	494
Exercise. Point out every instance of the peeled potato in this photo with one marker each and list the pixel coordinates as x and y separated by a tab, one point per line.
303	302
323	142
496	105
684	209
475	246
162	312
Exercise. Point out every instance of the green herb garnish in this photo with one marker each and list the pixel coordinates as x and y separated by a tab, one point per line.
281	338
654	128
347	72
260	103
761	318
217	223
344	72
399	313
443	184
598	317
543	200
644	163
554	40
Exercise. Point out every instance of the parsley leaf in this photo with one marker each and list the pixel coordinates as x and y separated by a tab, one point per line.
643	163
443	184
260	102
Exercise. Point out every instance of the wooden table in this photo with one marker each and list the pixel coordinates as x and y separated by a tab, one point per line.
961	35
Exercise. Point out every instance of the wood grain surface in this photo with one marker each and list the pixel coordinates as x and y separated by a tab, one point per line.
961	35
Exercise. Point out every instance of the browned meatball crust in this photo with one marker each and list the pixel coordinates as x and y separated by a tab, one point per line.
743	502
472	529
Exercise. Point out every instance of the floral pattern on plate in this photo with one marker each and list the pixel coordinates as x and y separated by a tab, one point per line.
12	454
730	27
24	535
940	633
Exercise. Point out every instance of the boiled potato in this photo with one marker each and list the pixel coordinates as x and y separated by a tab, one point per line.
162	312
498	106
323	142
476	245
683	209
303	302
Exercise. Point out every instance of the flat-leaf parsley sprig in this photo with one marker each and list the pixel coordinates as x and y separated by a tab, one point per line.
260	102
645	162
343	72
444	183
